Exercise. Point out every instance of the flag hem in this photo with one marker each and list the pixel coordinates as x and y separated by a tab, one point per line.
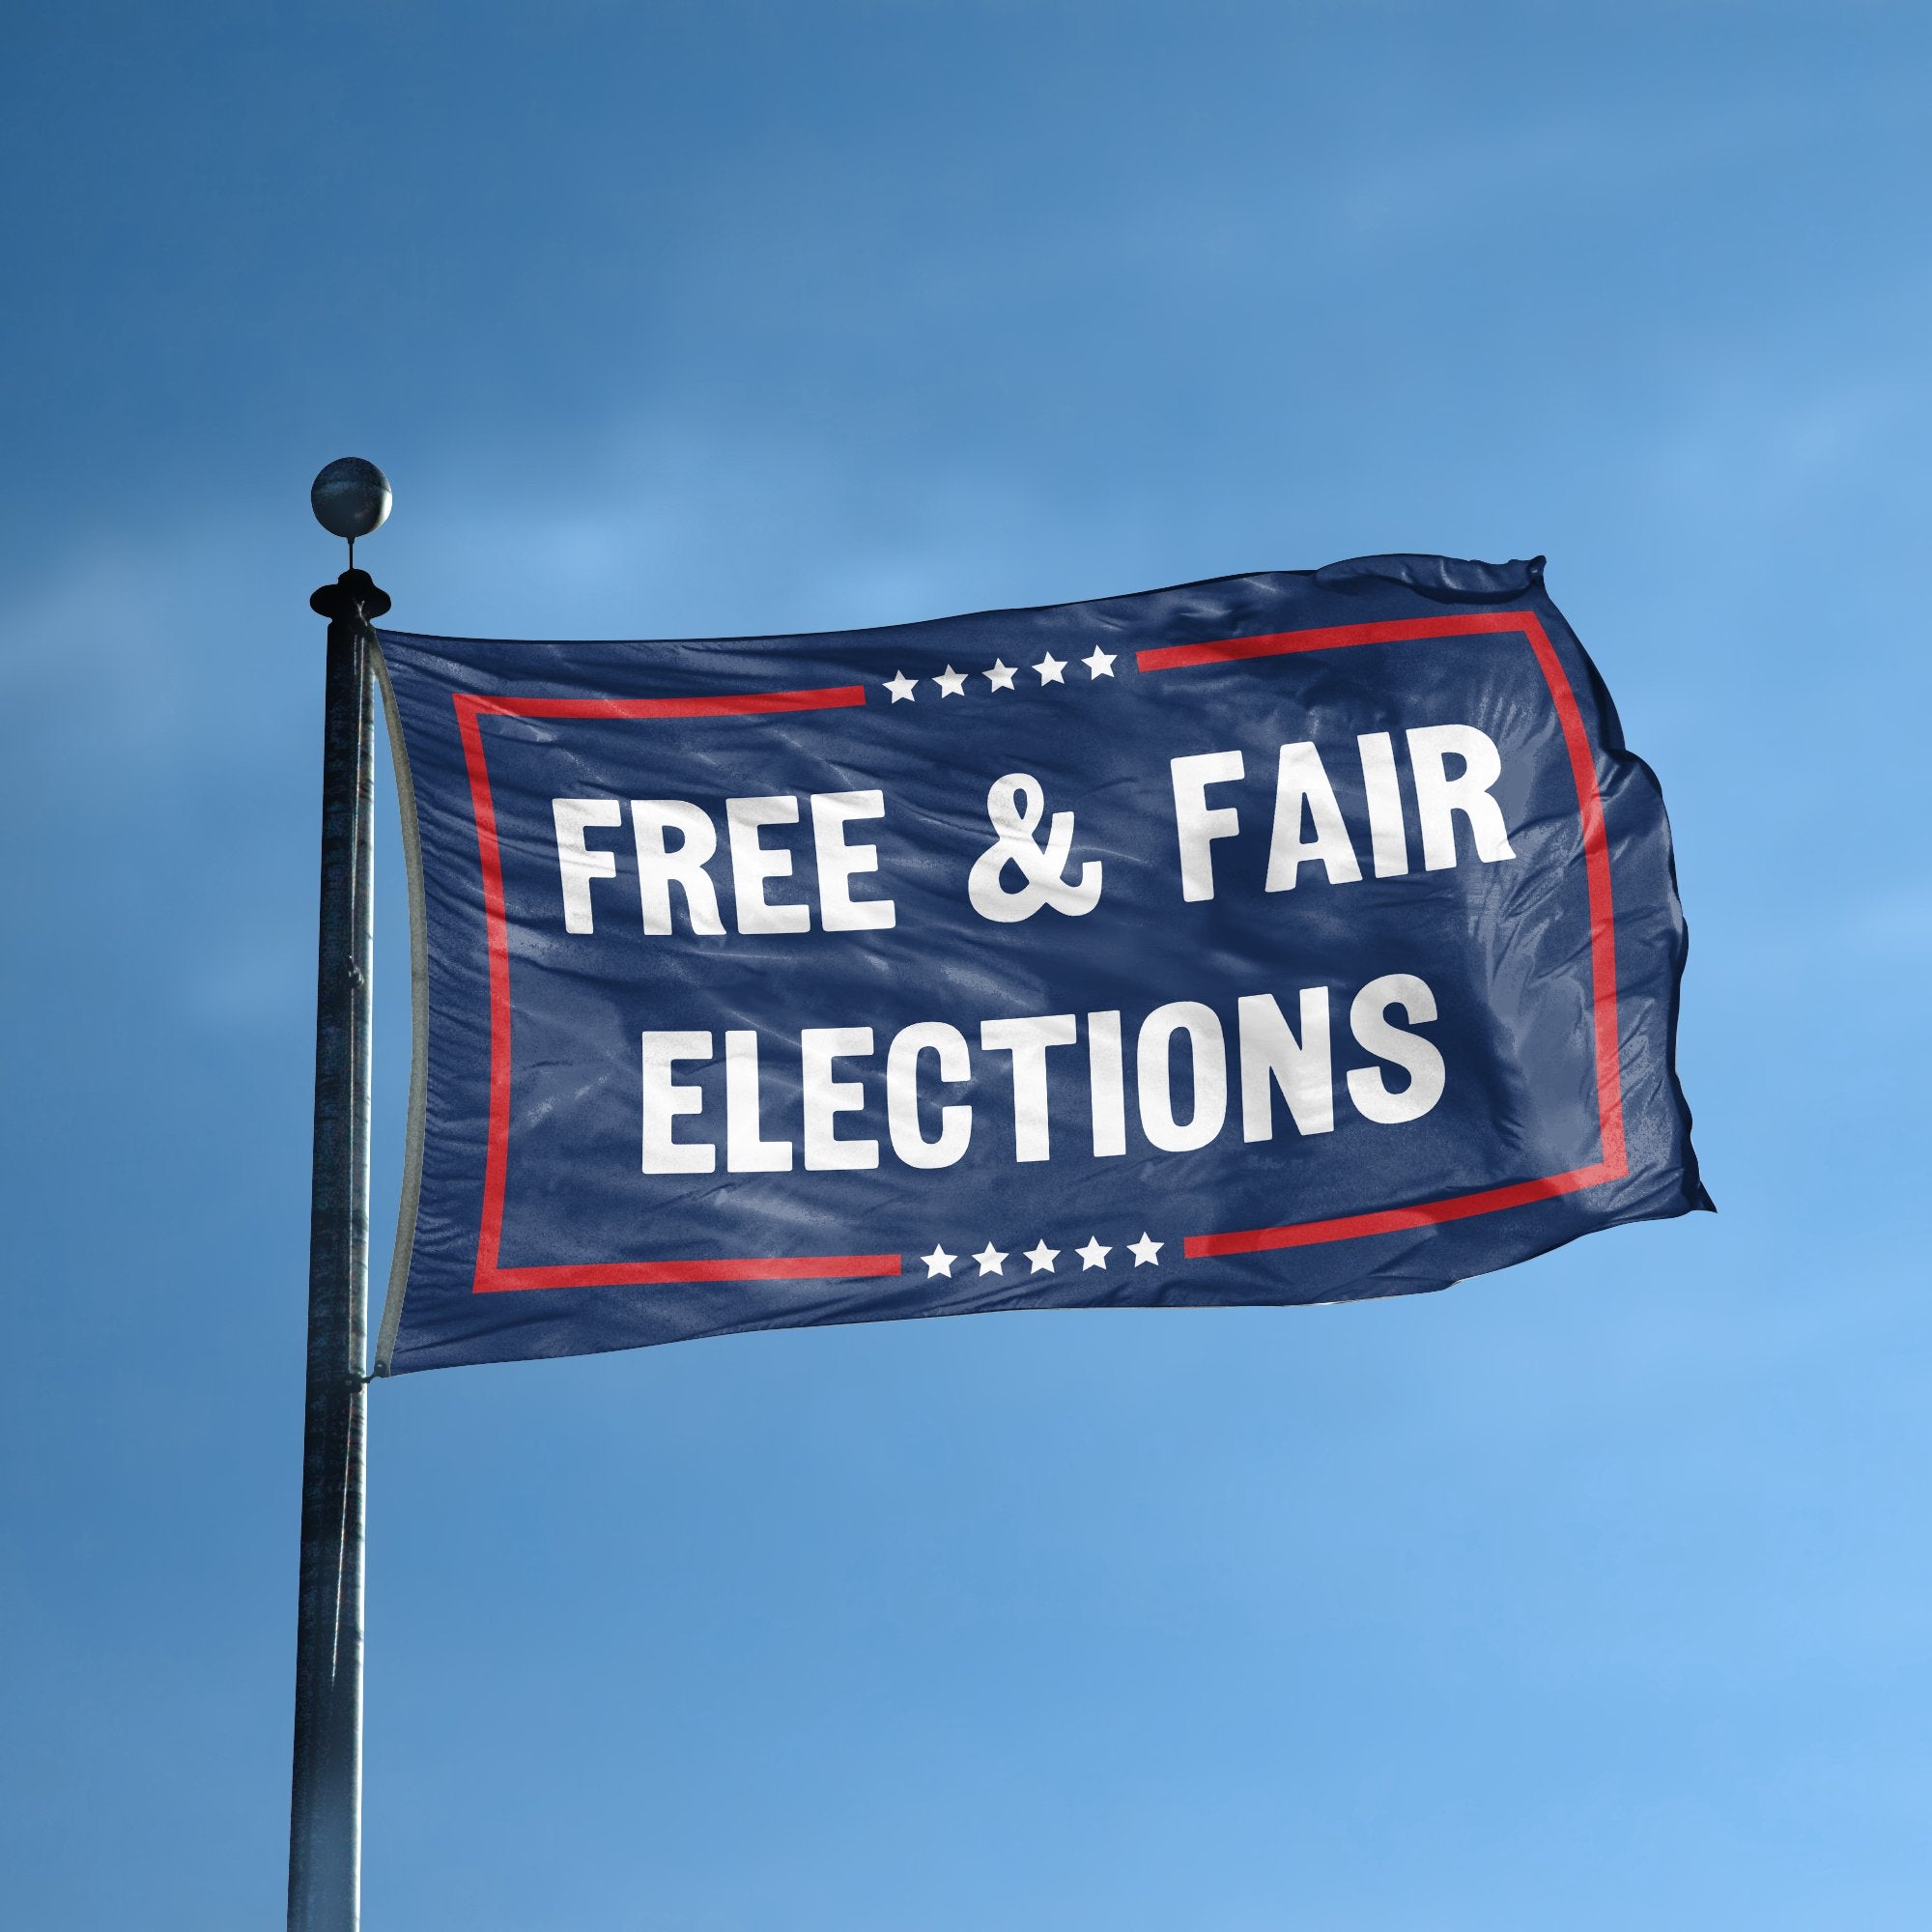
413	1134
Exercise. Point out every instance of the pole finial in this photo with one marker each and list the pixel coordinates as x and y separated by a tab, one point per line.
349	498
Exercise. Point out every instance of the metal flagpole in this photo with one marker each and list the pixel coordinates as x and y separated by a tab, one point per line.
351	499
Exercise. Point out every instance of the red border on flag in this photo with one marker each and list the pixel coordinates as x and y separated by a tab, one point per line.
491	1277
1615	1163
471	706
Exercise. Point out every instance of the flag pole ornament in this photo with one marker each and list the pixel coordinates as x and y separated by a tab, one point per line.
351	497
1298	937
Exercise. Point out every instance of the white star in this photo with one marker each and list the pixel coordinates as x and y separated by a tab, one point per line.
1043	1258
1049	668
1093	1255
1001	676
900	686
938	1261
991	1260
1145	1250
1101	664
951	682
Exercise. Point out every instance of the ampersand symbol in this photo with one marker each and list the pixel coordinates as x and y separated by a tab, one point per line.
1014	807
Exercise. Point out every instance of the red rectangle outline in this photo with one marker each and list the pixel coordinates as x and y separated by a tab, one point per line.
1616	1163
490	1278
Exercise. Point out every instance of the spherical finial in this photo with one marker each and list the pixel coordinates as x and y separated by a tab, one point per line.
350	496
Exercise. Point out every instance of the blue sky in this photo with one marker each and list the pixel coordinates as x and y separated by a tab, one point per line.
1591	1595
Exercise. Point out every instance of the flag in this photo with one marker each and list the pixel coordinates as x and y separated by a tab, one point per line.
1298	937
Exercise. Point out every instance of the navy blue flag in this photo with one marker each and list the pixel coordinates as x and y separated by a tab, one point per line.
1300	937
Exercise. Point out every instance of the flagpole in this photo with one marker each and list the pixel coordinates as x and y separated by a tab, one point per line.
351	499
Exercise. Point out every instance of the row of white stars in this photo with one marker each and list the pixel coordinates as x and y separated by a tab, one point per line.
1145	1253
951	682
